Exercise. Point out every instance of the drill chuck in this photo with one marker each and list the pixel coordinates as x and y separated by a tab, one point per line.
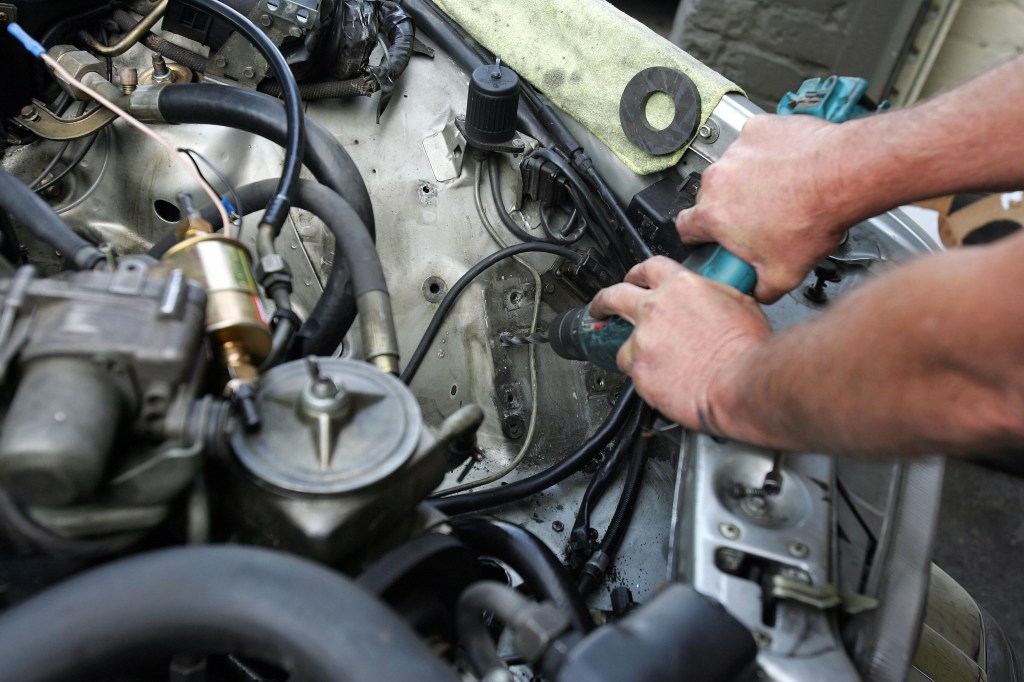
578	335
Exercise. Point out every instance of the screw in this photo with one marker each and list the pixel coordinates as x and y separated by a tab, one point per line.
29	113
513	426
220	62
516	142
160	66
249	72
730	531
798	549
266	20
549	288
557	526
295	31
709	132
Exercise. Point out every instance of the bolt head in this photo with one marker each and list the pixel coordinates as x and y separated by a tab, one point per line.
729	531
221	62
266	20
28	111
798	549
249	72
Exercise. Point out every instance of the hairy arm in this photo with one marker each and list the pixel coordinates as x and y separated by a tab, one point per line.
781	197
927	358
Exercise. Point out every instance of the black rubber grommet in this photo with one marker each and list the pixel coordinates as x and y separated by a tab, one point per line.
633	110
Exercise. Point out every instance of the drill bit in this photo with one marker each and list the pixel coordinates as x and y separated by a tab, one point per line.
507	339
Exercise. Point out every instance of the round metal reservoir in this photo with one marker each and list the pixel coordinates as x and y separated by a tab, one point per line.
234	312
379	433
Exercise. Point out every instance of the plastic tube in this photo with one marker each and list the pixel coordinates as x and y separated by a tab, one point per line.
37	217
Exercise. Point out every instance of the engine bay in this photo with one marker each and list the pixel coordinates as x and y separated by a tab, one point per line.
319	440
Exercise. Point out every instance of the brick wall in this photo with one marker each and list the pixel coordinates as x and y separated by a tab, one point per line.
769	47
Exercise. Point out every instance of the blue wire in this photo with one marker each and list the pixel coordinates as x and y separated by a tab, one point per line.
30	43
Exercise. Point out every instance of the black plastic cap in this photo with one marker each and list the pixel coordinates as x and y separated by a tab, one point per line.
493	104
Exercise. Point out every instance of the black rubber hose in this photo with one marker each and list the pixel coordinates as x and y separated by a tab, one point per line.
262	115
493	497
289	612
525	554
599	482
397	24
196	62
459	46
494	180
22	529
334	312
453	294
295	138
36	216
627	502
596	568
474	635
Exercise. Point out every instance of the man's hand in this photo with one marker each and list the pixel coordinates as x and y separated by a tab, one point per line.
688	329
774	201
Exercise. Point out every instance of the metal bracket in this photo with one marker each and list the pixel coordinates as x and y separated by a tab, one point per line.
822	597
446	151
8	13
300	13
44	123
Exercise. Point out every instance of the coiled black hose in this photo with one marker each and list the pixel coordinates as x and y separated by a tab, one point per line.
524	552
493	497
353	87
295	138
36	216
262	115
356	269
289	612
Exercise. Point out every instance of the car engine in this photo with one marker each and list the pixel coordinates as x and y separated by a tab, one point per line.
316	441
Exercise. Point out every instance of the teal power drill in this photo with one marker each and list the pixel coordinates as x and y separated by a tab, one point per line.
576	335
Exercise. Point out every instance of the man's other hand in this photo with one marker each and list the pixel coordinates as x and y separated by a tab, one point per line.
688	329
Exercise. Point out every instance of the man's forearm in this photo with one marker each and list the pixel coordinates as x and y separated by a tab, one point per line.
966	139
929	358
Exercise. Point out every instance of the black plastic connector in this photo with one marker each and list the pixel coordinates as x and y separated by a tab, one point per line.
654	210
542	181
